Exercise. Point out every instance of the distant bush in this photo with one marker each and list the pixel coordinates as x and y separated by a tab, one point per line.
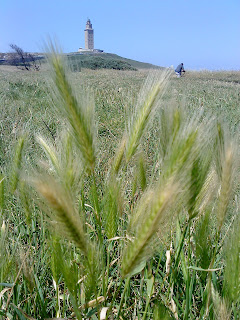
22	59
93	62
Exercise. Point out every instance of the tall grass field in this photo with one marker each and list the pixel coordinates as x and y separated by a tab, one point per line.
119	194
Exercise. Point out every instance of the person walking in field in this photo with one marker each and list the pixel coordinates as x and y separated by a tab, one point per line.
179	70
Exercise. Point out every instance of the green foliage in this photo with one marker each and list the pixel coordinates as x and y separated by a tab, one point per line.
232	268
76	60
134	217
17	164
204	242
96	62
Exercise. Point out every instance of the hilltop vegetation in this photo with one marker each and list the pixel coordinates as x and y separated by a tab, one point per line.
89	60
106	61
76	62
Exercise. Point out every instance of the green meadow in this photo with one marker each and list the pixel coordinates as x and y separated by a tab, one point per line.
119	194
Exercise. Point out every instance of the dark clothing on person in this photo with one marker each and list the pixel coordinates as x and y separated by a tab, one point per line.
180	68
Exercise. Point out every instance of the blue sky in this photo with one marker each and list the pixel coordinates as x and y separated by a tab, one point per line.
203	34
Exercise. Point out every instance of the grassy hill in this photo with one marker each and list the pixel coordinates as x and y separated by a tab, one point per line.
88	60
83	58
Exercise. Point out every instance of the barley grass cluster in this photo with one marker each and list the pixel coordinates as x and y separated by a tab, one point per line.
132	215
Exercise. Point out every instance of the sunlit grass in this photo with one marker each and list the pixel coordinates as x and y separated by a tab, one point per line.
119	199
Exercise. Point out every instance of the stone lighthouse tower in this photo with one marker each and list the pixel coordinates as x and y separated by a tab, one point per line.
89	38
